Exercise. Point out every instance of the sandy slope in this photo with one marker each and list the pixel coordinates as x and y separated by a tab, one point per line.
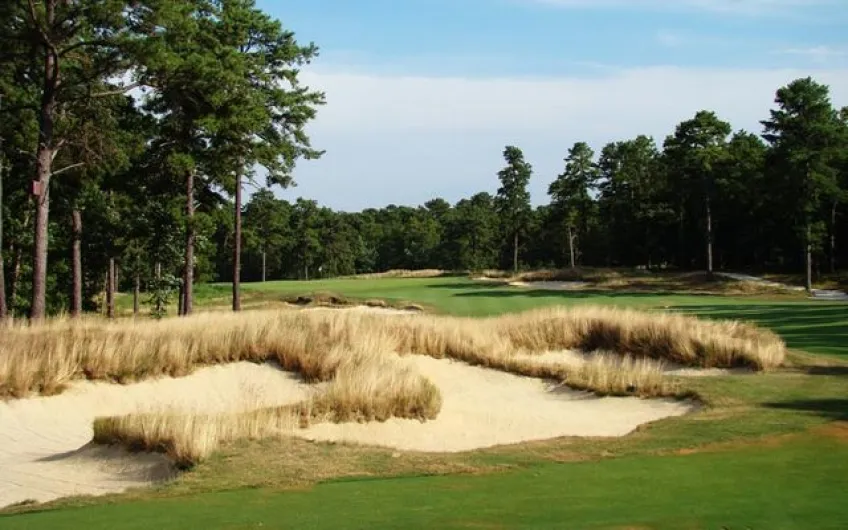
43	441
575	359
45	451
483	407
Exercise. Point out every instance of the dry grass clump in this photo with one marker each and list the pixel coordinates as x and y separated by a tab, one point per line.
188	439
402	273
44	358
365	387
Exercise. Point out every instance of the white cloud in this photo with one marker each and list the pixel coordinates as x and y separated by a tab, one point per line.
746	7
818	54
407	139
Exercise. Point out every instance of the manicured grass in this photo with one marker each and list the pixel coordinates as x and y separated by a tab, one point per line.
779	484
767	453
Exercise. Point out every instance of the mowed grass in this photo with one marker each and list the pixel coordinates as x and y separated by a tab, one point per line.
769	451
786	486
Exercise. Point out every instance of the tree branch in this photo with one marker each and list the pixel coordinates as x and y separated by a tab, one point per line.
68	168
38	25
73	47
116	92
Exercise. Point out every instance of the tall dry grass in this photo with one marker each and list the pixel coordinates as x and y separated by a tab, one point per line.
43	358
365	387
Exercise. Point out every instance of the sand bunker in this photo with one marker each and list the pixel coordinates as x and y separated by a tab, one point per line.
44	442
45	451
552	286
574	359
483	408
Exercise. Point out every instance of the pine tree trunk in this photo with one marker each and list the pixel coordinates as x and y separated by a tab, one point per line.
263	264
76	263
571	247
188	279
110	290
4	308
515	252
833	238
136	293
14	281
44	169
237	248
709	238
181	300
809	256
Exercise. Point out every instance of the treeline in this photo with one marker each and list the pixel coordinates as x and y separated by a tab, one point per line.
707	198
131	128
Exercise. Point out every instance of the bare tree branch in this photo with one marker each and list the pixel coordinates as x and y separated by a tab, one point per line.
67	168
116	92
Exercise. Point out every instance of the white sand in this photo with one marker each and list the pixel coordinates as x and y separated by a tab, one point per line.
43	441
45	451
552	286
483	408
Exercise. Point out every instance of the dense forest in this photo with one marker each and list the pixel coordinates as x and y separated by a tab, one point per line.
131	129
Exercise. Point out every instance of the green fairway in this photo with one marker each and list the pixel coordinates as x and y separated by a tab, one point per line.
789	486
778	460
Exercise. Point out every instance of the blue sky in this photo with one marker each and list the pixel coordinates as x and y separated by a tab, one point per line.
422	95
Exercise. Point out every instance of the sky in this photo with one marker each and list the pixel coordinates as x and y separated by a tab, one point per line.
423	95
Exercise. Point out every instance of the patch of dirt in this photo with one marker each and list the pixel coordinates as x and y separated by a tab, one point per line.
837	430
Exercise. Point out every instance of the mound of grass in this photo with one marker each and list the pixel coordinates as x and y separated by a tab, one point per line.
45	357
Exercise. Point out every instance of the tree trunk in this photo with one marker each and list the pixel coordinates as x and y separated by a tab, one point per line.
110	290
263	264
306	272
833	238
571	247
4	308
515	252
14	281
237	248
809	256
181	300
44	168
136	293
76	263
709	238
188	279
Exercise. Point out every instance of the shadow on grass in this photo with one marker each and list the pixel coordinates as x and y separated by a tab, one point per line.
833	409
501	291
813	326
828	370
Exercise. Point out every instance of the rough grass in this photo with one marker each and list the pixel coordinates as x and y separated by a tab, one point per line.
637	280
45	357
401	273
